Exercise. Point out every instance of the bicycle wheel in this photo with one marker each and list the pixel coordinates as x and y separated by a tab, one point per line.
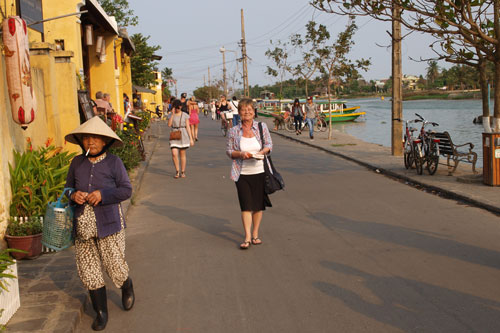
223	129
324	125
408	155
432	158
289	125
318	125
418	159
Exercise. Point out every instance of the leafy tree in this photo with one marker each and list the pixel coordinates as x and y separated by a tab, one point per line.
120	9
336	65
279	55
141	62
468	32
205	92
308	46
432	72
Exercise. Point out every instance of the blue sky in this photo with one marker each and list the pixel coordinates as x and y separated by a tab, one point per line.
191	32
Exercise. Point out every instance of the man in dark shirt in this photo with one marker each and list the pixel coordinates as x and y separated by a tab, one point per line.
184	107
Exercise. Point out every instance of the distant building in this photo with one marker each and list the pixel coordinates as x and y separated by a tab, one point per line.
410	82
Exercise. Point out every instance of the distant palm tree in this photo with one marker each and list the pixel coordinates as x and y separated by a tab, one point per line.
432	72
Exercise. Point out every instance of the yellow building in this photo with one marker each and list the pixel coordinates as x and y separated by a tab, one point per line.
64	59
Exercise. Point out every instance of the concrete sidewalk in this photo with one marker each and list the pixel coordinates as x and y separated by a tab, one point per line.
464	185
52	295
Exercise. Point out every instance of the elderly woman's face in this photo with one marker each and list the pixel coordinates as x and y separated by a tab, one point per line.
247	112
93	142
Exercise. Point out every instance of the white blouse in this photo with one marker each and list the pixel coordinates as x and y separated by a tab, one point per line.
251	166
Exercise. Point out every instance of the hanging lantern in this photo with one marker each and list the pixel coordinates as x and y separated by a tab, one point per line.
18	70
98	44
89	36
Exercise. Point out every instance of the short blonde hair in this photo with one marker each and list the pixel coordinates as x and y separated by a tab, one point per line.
245	102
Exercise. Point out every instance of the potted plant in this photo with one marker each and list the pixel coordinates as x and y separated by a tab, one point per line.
25	235
37	177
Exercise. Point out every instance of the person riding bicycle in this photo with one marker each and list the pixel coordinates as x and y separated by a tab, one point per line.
225	111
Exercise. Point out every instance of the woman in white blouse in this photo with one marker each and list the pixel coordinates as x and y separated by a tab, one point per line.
247	148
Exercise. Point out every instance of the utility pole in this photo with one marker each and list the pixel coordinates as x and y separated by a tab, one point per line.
223	51
397	87
209	86
246	88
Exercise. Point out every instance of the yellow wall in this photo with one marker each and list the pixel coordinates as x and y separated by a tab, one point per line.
102	75
157	88
68	28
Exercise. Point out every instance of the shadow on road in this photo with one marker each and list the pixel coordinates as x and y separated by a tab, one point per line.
414	306
209	224
422	240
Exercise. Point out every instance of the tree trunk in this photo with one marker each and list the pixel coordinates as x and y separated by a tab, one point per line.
307	93
483	82
397	88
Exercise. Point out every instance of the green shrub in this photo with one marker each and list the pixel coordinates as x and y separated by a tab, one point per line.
30	226
129	151
37	178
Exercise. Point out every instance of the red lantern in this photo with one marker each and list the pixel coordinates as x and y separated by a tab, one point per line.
17	61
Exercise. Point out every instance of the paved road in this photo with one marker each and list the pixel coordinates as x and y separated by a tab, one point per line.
345	250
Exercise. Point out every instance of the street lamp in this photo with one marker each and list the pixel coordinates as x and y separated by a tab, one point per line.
223	51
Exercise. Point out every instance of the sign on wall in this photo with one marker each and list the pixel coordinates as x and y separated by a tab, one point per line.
31	11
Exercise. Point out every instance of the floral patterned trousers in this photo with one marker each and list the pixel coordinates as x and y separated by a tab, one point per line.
92	252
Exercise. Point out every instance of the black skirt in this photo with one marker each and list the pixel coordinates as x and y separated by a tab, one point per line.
251	193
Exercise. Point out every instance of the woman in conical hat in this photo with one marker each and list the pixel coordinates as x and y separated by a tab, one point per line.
100	183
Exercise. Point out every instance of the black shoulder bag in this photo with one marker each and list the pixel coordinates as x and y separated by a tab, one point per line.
273	181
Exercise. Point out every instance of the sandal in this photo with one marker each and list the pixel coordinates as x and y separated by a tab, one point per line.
176	175
245	245
183	175
256	241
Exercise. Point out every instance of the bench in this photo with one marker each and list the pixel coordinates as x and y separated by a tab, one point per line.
455	153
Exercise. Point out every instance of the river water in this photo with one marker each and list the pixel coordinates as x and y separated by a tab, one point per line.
454	116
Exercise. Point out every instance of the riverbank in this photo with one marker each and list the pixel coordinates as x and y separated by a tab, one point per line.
422	94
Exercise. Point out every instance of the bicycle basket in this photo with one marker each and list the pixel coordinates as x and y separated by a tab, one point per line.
57	233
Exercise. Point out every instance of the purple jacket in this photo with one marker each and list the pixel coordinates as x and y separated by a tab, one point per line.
108	176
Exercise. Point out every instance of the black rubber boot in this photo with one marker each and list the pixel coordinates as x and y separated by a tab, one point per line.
100	305
128	297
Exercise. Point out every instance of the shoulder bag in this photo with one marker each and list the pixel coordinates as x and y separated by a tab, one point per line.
273	181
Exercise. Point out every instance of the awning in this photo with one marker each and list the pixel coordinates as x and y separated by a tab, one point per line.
98	16
129	44
140	89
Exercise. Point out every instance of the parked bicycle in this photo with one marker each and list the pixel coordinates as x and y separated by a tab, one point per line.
320	124
411	147
429	146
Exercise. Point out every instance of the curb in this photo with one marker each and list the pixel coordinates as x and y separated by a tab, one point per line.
409	181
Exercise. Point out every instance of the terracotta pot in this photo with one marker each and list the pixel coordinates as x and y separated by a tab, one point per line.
31	244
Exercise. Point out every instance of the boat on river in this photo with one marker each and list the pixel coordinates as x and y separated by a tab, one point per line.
340	112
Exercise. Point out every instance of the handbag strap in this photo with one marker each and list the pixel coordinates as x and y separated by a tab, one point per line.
66	189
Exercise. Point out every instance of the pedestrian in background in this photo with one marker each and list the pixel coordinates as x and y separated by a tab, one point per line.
179	121
298	115
100	183
184	103
247	148
194	118
234	108
213	109
217	109
311	113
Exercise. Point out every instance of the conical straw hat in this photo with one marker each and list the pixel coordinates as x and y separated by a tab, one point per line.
95	126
